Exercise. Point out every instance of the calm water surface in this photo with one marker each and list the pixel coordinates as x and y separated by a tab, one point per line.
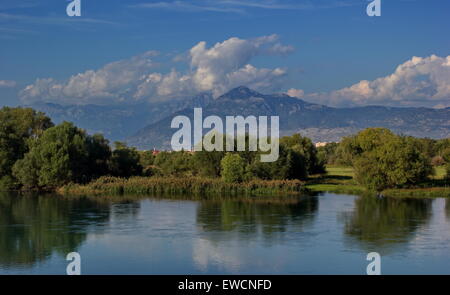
324	234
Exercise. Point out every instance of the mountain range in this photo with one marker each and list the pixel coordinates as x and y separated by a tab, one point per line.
118	121
147	126
319	122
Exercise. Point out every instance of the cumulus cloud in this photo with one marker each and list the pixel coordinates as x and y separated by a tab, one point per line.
226	64
417	82
7	84
213	69
114	82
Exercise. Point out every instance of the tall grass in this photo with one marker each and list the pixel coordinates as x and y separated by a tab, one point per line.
183	185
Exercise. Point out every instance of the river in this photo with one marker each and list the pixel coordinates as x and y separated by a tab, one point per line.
322	234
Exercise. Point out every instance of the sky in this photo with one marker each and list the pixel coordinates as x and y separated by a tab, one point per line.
323	51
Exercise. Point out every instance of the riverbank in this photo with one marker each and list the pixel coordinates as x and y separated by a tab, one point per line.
341	180
186	185
337	180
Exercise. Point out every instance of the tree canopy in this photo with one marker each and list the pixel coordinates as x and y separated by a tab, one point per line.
18	126
63	154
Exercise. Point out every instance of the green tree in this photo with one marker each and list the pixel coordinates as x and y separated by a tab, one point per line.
446	157
327	153
207	164
352	147
62	154
304	148
17	127
174	163
441	146
99	155
146	160
290	165
233	168
125	161
393	163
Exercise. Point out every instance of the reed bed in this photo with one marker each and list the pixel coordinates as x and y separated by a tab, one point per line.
182	185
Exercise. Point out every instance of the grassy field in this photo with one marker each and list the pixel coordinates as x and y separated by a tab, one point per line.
340	171
339	179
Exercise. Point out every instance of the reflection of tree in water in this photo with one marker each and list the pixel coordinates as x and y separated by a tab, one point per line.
126	210
381	223
32	228
447	208
248	217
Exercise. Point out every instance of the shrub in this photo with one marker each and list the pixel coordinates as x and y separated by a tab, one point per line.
233	168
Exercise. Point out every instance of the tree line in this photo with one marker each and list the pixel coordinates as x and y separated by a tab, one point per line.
35	154
298	159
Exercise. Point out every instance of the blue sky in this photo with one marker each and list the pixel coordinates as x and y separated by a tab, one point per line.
322	48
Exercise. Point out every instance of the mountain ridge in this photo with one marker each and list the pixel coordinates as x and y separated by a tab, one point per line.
147	125
319	122
118	122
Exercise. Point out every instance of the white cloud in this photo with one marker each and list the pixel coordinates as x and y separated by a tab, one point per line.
296	93
114	82
417	82
7	84
216	69
226	64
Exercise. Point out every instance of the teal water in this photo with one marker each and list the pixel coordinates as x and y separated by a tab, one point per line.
324	234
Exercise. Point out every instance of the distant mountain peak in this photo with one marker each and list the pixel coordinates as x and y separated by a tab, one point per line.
241	92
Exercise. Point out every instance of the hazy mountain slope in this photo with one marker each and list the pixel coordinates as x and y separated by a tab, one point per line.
319	122
118	122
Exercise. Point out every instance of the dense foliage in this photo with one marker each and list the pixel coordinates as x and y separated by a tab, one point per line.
394	163
125	161
35	154
17	127
446	157
62	154
233	168
298	159
384	160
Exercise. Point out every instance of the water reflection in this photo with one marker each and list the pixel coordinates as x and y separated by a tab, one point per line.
379	224
447	208
33	228
147	235
249	217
